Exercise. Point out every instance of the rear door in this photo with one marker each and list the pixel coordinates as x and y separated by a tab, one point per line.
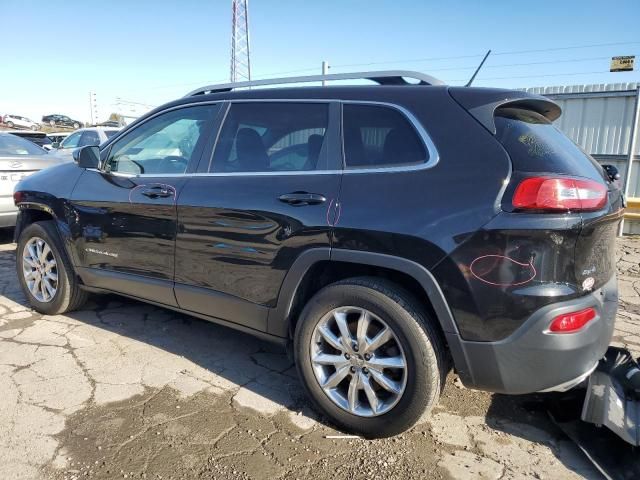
125	214
266	194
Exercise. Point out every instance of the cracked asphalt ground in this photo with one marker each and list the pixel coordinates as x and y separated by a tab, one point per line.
126	390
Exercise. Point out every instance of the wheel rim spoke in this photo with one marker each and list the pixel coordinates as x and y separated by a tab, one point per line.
369	392
346	364
386	383
326	359
345	335
380	363
330	338
380	339
361	332
334	380
353	393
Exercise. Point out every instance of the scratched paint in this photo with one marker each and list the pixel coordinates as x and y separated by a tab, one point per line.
502	271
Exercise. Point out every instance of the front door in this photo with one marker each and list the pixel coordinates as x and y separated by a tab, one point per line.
266	194
125	214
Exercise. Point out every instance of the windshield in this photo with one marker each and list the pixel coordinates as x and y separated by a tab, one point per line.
10	145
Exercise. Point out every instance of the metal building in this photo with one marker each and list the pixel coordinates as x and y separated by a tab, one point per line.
600	118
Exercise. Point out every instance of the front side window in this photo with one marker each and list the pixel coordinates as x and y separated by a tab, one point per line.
273	137
72	141
162	145
380	137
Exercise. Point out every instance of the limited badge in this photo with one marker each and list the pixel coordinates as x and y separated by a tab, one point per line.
588	283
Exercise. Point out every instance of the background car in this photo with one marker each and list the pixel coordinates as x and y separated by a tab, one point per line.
18	159
61	120
39	138
80	138
17	121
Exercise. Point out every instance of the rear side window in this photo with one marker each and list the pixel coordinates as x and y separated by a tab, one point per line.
89	137
379	137
536	146
273	137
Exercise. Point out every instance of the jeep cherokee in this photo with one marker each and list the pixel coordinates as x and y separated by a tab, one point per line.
385	231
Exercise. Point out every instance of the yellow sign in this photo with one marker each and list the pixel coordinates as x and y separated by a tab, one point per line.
622	64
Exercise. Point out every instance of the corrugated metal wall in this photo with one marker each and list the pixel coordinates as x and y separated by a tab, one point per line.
599	118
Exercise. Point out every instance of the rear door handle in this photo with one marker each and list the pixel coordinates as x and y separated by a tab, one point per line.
302	198
157	192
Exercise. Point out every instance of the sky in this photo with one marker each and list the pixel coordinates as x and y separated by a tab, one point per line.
147	52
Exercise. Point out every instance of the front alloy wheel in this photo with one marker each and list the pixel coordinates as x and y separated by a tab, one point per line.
40	269
358	361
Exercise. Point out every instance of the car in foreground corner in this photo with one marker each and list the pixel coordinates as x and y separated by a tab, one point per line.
19	158
384	232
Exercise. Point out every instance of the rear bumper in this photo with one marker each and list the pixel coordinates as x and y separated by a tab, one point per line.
530	360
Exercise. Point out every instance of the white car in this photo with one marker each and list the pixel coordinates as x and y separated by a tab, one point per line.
85	136
18	158
16	121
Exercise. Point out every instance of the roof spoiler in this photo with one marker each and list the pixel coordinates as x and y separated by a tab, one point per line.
483	103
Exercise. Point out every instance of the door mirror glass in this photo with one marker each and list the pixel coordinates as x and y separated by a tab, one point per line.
87	157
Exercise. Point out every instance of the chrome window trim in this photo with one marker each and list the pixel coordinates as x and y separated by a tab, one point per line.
433	160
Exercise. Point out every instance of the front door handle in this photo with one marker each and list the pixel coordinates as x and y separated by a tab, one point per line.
302	198
157	192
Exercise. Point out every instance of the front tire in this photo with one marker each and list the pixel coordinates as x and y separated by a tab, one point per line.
369	356
45	272
76	126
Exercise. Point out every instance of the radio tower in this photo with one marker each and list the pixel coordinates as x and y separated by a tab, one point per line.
240	58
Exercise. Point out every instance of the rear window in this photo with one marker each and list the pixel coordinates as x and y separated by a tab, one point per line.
11	145
379	137
536	146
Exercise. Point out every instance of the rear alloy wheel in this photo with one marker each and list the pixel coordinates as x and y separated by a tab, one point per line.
76	126
10	124
45	272
372	362
369	356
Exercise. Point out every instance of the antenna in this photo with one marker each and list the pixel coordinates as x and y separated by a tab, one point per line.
240	58
473	77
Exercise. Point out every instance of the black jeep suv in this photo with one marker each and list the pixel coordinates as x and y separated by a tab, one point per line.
387	231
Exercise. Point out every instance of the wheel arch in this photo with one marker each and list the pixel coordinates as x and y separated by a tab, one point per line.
311	263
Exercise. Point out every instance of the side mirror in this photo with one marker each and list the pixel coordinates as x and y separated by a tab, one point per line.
87	157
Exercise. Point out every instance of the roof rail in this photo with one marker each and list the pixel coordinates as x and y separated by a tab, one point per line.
383	77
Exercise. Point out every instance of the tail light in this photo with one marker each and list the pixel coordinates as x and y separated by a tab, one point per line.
18	197
572	322
559	194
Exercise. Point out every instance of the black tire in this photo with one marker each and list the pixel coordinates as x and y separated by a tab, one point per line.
68	296
10	124
422	344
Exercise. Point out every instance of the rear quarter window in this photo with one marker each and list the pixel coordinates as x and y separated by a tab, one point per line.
536	145
380	137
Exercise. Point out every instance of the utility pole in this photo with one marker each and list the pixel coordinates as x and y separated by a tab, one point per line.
240	54
325	70
93	107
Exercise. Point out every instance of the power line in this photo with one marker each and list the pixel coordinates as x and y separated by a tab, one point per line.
534	76
504	65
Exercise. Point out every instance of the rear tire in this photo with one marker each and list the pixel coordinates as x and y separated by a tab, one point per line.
415	339
67	294
10	124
